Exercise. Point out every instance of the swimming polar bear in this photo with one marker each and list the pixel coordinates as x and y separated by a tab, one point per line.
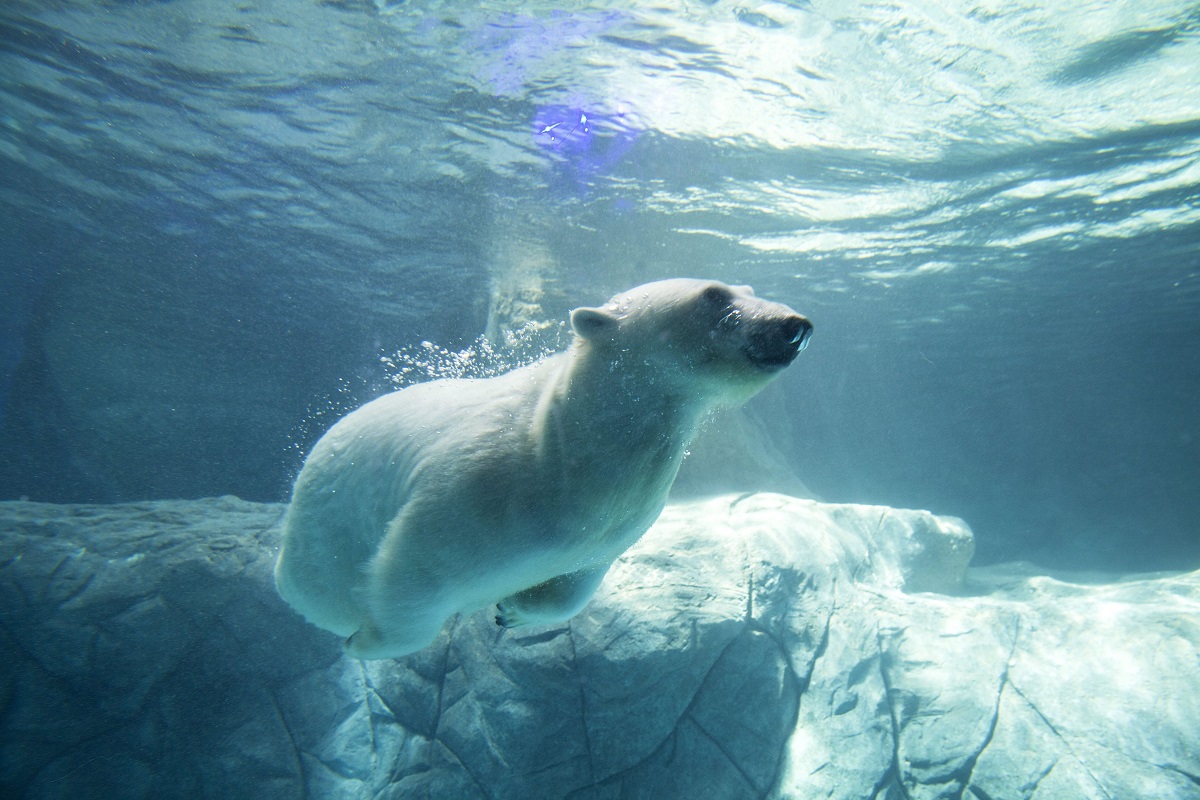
520	490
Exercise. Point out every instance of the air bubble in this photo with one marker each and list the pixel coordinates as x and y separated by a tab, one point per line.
482	359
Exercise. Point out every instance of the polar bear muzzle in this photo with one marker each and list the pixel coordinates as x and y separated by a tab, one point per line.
775	345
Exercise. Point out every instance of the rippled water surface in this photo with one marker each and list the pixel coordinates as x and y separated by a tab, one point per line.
990	210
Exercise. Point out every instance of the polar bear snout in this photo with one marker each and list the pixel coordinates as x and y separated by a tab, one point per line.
776	344
801	332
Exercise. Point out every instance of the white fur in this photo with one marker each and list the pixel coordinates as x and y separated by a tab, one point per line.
519	490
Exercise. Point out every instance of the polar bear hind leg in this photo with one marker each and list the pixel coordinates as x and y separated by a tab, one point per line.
402	616
371	642
555	600
404	603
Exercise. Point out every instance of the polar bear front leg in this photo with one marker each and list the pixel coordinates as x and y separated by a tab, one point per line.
555	600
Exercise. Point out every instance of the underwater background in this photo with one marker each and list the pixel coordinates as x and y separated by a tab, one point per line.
218	215
225	223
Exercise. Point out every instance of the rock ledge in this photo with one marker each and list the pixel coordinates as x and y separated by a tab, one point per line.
749	646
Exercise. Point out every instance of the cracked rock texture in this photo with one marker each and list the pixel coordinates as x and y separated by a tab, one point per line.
749	646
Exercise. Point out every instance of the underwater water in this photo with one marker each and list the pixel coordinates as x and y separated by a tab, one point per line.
217	215
952	552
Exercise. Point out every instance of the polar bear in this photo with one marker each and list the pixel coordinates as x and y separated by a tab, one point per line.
520	490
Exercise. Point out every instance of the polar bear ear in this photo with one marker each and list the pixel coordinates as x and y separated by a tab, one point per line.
594	323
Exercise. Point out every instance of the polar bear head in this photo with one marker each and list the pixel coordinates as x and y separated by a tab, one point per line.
714	343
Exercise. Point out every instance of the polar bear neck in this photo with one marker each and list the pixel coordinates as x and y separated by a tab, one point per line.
592	402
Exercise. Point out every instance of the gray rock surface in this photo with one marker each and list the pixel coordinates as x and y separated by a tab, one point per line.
749	646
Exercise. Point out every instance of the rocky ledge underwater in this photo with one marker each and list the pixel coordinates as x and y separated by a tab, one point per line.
750	646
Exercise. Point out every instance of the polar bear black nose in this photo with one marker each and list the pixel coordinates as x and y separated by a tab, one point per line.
801	332
777	344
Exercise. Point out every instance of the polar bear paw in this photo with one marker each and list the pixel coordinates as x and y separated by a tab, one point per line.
507	616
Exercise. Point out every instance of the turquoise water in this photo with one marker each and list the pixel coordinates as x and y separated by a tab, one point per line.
217	213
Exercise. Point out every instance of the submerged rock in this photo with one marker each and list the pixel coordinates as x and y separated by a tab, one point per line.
749	646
